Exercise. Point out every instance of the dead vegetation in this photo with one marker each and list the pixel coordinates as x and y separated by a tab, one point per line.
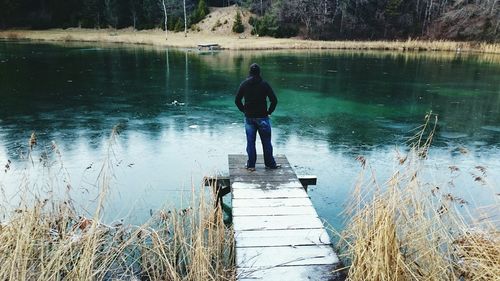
45	238
405	230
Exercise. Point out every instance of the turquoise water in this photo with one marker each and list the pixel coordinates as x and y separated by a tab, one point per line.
333	106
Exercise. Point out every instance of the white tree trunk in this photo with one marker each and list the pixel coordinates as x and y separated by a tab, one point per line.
493	9
185	20
134	19
165	13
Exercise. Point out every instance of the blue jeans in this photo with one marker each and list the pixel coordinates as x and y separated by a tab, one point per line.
263	127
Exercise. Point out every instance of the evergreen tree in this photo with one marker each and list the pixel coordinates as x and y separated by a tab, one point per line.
200	12
238	25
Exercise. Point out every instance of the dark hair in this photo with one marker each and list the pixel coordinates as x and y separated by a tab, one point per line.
254	69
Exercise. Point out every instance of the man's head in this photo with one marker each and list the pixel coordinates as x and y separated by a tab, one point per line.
254	69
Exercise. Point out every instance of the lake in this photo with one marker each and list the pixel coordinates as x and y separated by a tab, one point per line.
178	122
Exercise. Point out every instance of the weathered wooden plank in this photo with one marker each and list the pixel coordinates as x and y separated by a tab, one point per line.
274	193
235	159
265	179
288	237
270	202
308	179
289	273
287	255
274	211
207	44
238	163
264	186
276	222
262	172
259	166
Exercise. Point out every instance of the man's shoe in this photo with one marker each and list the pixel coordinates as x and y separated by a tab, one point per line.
250	169
277	166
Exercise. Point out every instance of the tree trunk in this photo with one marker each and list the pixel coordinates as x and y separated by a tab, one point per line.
493	9
341	22
307	22
325	12
185	20
165	14
134	19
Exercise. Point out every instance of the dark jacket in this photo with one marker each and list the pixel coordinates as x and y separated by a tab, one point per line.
255	91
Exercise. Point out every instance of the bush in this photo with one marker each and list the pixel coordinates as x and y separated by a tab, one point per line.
265	26
195	27
252	21
216	25
238	25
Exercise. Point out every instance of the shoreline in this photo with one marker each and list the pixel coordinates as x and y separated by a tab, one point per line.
156	37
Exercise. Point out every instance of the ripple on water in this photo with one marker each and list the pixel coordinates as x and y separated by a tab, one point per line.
90	49
453	135
479	143
491	128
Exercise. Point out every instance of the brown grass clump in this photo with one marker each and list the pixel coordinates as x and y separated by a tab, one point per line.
46	239
407	230
12	35
67	38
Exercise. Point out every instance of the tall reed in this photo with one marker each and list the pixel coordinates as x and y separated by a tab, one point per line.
46	239
405	229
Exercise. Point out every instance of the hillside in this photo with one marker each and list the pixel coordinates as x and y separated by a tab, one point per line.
220	21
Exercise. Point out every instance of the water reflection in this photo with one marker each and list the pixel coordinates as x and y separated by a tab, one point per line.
332	107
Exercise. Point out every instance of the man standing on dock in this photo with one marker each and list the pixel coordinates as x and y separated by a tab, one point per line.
255	91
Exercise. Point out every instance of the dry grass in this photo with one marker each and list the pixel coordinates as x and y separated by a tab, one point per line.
11	36
406	230
234	42
45	239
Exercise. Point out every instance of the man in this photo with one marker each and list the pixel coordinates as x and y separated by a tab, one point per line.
255	92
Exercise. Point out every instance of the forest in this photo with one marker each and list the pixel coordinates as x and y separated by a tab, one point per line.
468	20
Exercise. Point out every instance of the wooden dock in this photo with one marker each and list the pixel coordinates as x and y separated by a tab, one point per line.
277	230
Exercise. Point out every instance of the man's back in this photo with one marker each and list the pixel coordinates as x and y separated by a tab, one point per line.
255	91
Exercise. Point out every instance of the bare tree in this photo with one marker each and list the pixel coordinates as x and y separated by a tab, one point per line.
134	19
315	16
185	20
133	14
166	17
493	5
110	13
